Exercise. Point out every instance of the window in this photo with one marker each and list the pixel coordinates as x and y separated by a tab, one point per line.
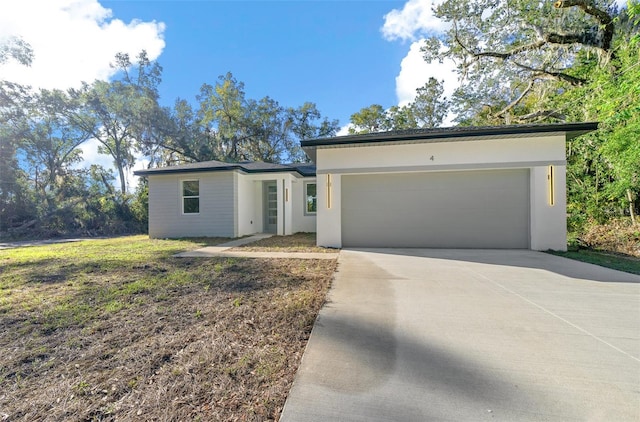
310	198
190	197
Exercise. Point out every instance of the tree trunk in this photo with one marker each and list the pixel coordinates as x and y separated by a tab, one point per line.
123	179
631	212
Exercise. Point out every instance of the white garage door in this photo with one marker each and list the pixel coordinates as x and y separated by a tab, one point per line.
462	209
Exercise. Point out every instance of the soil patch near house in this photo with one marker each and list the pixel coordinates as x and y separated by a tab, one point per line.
119	329
617	236
299	242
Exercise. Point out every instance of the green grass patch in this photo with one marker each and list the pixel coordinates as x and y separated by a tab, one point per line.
604	259
122	329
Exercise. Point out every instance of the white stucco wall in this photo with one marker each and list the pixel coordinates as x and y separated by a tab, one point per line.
249	203
301	222
217	206
441	155
251	207
547	223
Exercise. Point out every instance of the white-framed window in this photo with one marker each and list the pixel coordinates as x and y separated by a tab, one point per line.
190	196
310	198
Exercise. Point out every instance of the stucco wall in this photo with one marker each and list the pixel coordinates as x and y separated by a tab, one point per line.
547	223
442	155
217	206
301	222
249	205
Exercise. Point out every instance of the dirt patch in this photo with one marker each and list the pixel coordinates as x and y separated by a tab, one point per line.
145	336
617	236
299	242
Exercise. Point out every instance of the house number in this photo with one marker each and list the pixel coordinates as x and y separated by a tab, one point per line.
432	158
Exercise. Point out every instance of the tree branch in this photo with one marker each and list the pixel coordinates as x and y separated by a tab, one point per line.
589	7
541	114
550	74
517	100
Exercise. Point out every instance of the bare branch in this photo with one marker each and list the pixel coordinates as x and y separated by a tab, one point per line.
516	101
541	115
604	19
551	74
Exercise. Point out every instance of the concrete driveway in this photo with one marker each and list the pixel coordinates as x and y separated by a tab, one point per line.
471	335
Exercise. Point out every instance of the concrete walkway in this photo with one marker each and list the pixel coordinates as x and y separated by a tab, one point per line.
471	335
222	250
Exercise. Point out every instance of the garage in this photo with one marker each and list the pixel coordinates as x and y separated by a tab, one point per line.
447	209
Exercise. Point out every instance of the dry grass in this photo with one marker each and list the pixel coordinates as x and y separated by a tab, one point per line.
617	236
120	330
299	242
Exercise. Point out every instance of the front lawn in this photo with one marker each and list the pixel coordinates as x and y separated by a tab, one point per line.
120	329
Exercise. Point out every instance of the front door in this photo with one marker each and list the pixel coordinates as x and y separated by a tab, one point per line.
270	201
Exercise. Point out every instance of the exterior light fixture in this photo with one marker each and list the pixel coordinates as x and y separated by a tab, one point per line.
551	187
328	191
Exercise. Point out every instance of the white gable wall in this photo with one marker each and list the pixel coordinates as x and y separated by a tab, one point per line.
547	222
217	206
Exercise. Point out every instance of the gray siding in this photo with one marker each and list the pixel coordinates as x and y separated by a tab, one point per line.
472	209
217	202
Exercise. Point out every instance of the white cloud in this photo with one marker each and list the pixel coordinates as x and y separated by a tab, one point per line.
72	40
415	72
75	41
415	22
416	18
91	155
344	130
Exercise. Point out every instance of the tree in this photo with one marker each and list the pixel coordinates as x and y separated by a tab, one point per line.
230	127
120	114
17	49
15	204
510	52
307	123
51	143
369	119
427	110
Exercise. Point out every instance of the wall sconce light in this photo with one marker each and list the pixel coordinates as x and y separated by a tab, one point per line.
551	186
328	191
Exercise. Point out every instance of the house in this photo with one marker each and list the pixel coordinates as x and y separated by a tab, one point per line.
459	187
214	198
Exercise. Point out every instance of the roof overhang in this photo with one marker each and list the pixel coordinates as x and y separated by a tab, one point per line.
204	168
449	134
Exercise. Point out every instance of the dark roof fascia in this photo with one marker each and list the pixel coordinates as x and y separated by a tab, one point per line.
177	170
574	128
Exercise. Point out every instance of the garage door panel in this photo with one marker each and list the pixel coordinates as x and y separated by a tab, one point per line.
475	209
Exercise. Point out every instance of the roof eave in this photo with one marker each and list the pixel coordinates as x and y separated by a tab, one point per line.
169	170
571	129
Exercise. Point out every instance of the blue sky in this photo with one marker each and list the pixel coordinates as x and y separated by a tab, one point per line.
331	52
342	55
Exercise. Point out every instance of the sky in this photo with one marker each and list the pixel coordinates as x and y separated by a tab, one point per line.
342	55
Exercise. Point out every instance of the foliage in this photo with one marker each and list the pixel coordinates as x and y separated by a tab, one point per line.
44	193
17	49
509	55
427	110
241	129
119	114
571	60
